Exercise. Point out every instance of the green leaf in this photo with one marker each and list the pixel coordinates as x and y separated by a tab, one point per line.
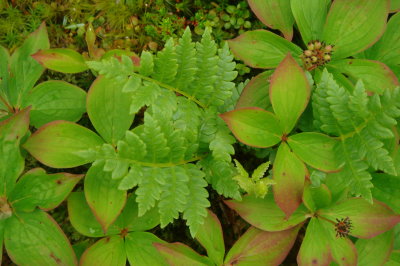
140	250
276	15
254	126
82	217
36	239
256	247
315	249
387	49
262	49
103	196
55	100
179	254
289	174
61	60
2	225
25	70
108	109
38	189
12	131
265	214
256	92
211	238
375	251
57	144
113	68
368	220
353	26
106	251
310	17
394	5
289	93
316	198
386	189
316	150
146	64
375	75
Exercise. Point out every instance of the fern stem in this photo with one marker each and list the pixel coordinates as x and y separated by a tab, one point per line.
190	97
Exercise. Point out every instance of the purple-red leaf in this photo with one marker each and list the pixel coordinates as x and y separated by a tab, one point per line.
180	254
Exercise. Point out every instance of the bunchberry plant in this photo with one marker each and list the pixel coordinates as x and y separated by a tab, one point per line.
181	144
124	239
255	247
331	222
50	100
30	235
331	32
289	95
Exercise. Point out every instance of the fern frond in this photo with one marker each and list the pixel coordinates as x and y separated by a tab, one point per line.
113	68
166	64
150	188
146	64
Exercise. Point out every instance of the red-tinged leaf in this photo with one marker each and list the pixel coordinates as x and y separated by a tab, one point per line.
141	251
289	92
315	249
315	198
310	16
353	26
262	49
254	126
38	189
36	239
275	14
103	195
57	144
289	174
256	247
178	254
211	238
368	220
105	252
108	109
394	5
256	92
316	150
11	160
376	250
375	75
265	214
61	59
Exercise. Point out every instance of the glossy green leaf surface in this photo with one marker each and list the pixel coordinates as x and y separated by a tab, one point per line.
211	238
141	251
316	197
61	60
310	17
375	75
256	92
353	26
262	49
257	247
58	143
108	109
275	14
376	250
180	255
254	126
38	189
394	5
105	252
368	220
387	189
316	150
36	239
11	161
265	214
289	92
103	195
55	100
289	174
25	70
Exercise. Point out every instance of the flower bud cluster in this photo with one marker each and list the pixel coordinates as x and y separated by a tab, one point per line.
316	54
